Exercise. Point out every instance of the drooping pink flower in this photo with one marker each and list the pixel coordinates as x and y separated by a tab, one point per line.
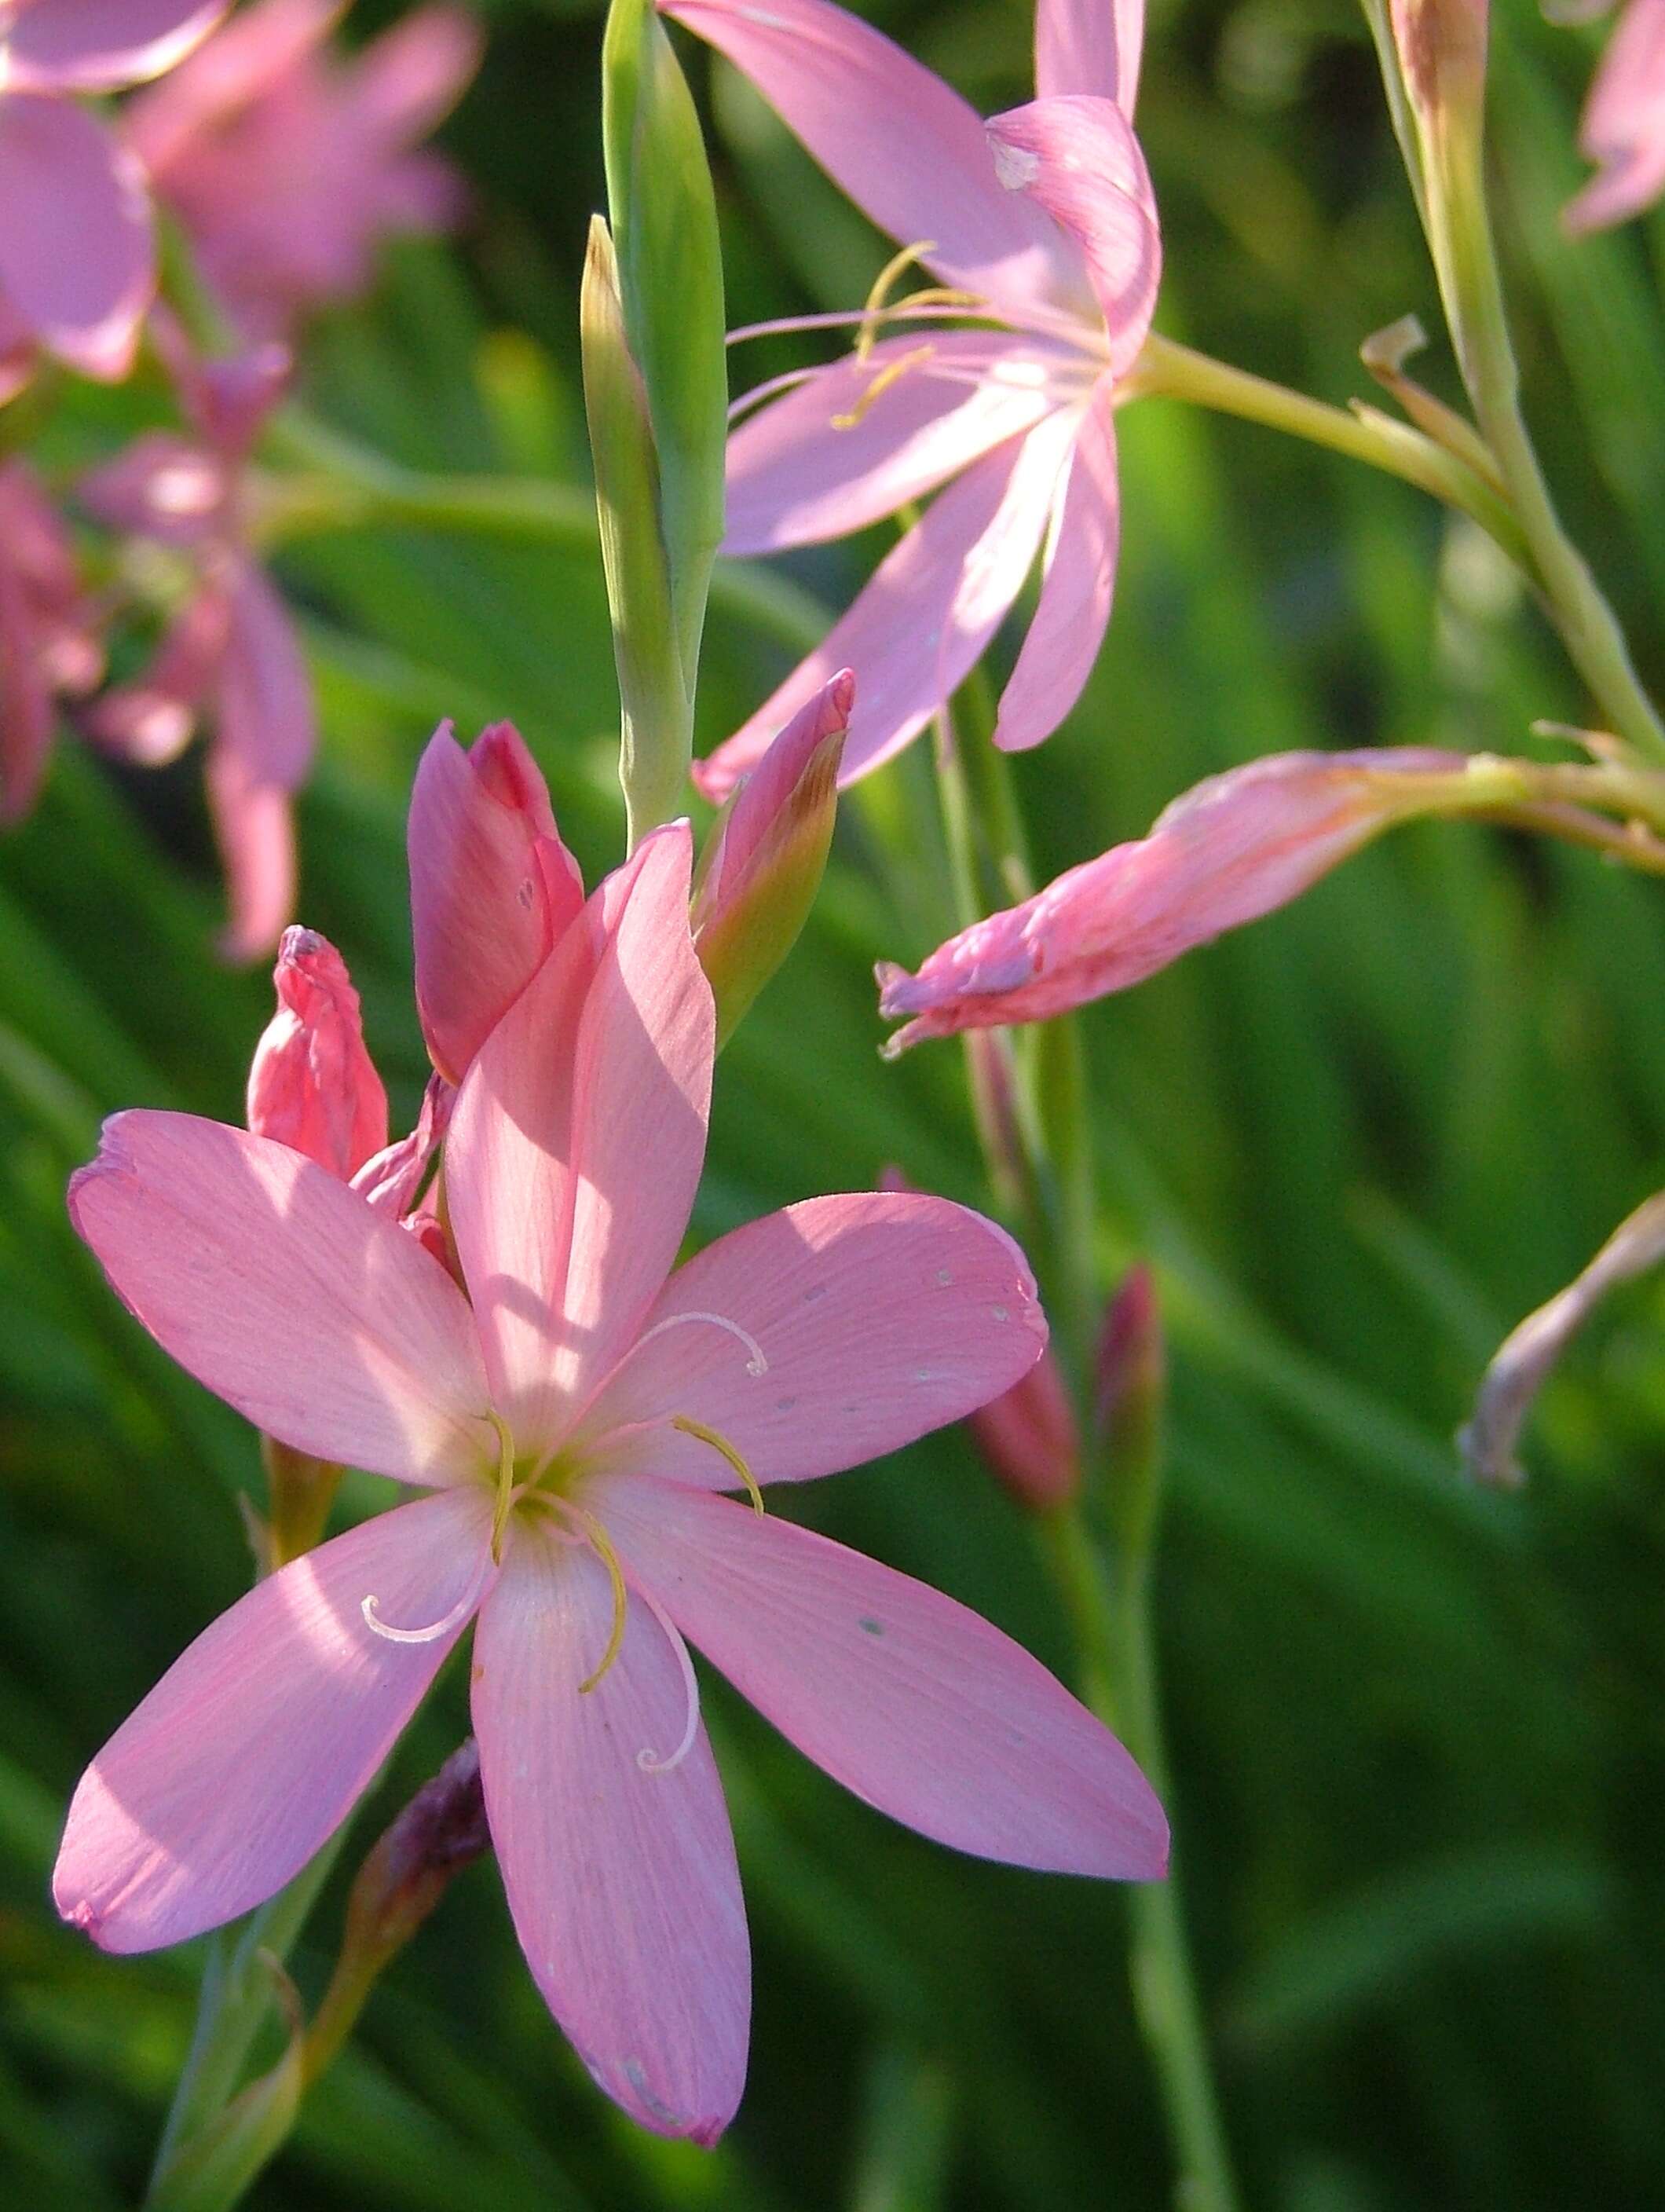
312	1085
49	645
576	1425
77	259
286	165
1623	126
1043	224
1233	848
492	886
230	656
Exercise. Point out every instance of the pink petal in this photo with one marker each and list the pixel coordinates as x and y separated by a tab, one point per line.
76	257
150	721
267	715
906	148
101	45
312	1085
823	1336
799	471
1073	611
253	1748
1090	45
1030	1438
1623	126
917	1704
404	83
161	486
258	48
492	887
254	828
924	620
1078	158
621	1881
285	1294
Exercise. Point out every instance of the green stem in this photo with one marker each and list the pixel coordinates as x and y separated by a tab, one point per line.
1171	371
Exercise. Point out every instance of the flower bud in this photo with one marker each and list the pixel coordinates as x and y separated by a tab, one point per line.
1442	54
763	862
1130	1392
492	886
1029	1436
312	1085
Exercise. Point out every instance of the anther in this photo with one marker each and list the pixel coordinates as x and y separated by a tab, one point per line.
874	312
719	1443
892	373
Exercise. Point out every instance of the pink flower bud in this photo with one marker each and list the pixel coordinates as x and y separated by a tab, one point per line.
492	886
312	1085
1030	1439
1130	1393
1232	850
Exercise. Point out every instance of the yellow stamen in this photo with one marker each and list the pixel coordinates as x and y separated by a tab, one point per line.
505	1486
892	372
720	1443
609	1557
873	308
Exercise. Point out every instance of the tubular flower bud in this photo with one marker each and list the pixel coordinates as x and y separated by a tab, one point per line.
1442	52
1030	1438
312	1085
492	886
765	860
1131	1390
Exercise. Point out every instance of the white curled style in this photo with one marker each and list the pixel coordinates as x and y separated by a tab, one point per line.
370	1607
756	1359
649	1761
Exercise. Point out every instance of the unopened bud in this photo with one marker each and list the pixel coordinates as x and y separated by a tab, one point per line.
1442	53
764	860
1028	1434
1130	1393
312	1085
492	886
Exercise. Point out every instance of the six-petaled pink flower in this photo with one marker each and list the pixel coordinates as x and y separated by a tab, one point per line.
1042	224
575	1413
77	259
1623	126
1229	851
230	655
287	164
49	642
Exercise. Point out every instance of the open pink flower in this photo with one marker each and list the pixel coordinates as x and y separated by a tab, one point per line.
1233	848
77	261
49	643
230	655
575	1424
1623	126
287	164
1042	224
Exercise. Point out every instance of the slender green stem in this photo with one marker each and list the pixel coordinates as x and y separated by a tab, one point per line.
1173	371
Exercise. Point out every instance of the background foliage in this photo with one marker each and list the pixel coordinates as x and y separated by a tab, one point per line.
1417	1731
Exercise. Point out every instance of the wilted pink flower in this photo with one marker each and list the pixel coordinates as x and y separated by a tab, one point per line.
492	886
1050	233
77	261
48	634
575	1424
287	164
230	655
1624	127
1232	850
312	1085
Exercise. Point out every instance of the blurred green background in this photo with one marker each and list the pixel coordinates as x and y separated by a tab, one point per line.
1419	1734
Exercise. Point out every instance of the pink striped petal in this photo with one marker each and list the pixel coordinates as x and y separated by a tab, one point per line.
926	617
917	1704
621	1876
101	45
255	1745
906	148
799	470
284	1293
823	1336
1073	611
1078	158
1090	45
254	828
76	257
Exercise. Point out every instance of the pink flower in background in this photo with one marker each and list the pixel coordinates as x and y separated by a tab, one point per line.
287	164
1232	850
576	1425
230	655
1042	223
48	634
312	1085
1623	126
78	260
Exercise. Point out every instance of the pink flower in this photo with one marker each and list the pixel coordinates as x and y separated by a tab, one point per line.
312	1085
576	1425
286	165
77	261
48	634
492	886
230	654
1624	128
1233	848
1049	232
